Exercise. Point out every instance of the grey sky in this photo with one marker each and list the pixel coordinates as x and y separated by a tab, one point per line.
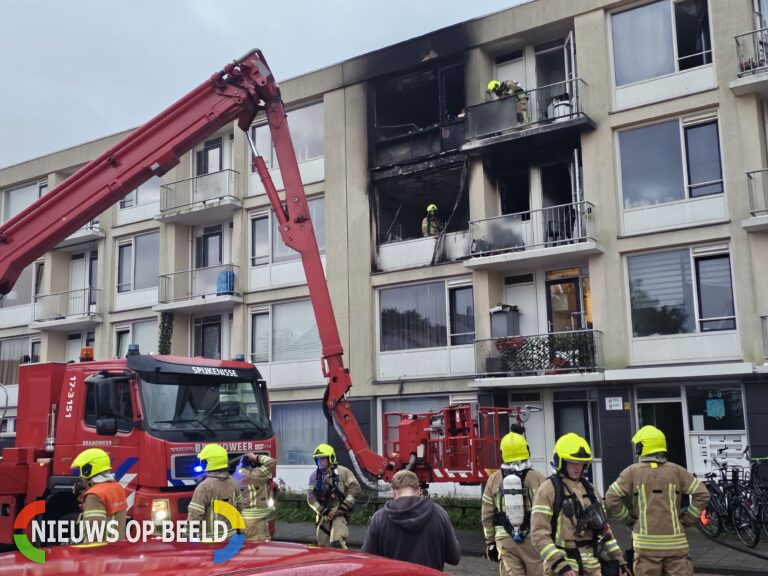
73	71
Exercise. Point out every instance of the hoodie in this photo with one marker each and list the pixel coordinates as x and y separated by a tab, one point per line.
413	529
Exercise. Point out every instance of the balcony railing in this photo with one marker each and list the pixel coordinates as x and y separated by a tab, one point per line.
555	353
546	227
757	182
545	105
214	186
764	325
752	52
199	283
62	305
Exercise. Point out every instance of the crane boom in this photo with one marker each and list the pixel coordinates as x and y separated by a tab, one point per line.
237	92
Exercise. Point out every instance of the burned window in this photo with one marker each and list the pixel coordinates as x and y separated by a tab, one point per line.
418	100
401	204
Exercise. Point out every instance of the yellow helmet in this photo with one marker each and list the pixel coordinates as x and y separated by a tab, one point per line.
493	85
649	440
91	462
325	451
514	448
571	448
215	457
432	207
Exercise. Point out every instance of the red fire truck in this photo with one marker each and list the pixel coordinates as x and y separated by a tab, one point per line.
153	413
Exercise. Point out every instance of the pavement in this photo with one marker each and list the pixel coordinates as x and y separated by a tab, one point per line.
708	557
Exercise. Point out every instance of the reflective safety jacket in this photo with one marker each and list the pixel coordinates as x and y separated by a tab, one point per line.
647	496
104	502
338	484
559	547
255	483
493	502
218	485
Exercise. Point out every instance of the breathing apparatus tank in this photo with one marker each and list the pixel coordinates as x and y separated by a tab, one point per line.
514	504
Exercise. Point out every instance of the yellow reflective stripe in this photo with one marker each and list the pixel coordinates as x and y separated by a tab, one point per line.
257	513
616	489
621	514
197	507
611	545
548	551
488	500
663	542
693	510
94	513
489	532
588	559
264	470
673	509
694	486
559	540
643	504
500	532
541	510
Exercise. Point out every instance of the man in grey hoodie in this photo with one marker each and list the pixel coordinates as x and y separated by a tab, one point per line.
411	528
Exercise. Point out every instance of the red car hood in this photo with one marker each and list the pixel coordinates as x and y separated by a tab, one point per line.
184	559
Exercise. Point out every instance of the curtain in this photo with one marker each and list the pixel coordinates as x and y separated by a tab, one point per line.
145	335
298	427
294	332
11	352
413	317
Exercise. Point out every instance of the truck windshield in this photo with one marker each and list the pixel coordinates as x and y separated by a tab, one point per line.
206	406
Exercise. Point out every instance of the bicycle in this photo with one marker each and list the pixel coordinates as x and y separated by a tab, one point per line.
758	481
728	507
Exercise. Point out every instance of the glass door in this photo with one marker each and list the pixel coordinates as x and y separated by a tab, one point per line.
564	309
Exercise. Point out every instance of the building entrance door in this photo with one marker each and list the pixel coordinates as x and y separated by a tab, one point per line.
667	417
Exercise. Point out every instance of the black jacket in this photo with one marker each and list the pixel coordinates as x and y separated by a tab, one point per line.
413	529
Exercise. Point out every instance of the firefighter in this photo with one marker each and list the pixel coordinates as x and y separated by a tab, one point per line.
568	525
506	510
647	496
217	484
255	475
512	88
331	494
103	498
431	225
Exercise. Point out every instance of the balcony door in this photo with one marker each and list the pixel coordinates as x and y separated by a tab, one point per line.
569	301
78	298
209	256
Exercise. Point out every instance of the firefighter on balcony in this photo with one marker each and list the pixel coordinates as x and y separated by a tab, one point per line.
568	524
217	484
512	88
102	497
647	496
431	225
506	510
331	494
255	474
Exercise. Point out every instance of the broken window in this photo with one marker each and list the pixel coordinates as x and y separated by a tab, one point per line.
401	203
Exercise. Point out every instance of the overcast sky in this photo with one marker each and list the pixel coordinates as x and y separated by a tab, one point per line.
76	70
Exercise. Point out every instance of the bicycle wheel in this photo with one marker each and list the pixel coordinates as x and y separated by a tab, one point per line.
745	525
764	517
714	526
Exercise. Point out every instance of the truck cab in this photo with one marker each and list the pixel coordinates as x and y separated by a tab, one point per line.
152	414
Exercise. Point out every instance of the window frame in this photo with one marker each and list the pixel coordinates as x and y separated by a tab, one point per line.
123	425
268	311
448	285
684	122
269	216
42	189
202	151
270	158
202	322
695	253
128	328
133	198
676	56
124	243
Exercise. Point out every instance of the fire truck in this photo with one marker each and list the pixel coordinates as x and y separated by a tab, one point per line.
153	413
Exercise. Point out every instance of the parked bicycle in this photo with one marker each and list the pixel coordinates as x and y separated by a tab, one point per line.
758	482
732	505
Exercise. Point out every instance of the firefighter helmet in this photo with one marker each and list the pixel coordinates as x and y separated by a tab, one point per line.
91	462
432	208
493	85
514	448
571	448
215	457
649	440
325	451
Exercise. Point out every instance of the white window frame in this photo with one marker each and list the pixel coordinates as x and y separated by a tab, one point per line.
448	284
199	321
269	215
695	252
133	198
687	121
11	427
130	241
269	155
267	310
674	42
42	189
128	328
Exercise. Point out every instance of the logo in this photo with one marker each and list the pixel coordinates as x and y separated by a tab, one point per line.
22	521
236	542
135	531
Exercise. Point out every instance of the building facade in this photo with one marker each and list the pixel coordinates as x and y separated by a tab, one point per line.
601	255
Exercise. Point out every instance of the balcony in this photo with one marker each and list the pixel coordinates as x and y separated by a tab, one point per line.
579	352
195	201
548	236
88	233
757	186
213	289
546	113
752	62
67	311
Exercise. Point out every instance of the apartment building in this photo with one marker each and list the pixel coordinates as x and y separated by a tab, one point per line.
603	256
